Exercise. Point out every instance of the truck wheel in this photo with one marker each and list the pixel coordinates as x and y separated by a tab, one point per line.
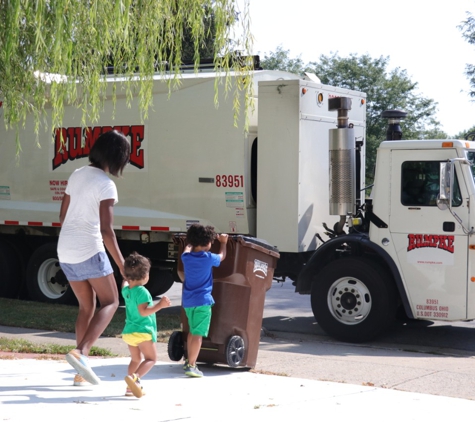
160	281
235	350
10	271
353	299
175	346
45	280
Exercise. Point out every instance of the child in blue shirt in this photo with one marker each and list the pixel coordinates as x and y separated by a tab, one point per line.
197	301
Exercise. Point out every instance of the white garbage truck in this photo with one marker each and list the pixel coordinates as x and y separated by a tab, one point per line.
189	163
295	179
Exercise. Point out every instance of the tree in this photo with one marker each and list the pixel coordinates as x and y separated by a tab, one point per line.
206	46
466	134
47	46
385	90
468	32
280	60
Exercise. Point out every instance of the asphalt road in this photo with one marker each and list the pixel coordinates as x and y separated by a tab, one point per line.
290	314
416	356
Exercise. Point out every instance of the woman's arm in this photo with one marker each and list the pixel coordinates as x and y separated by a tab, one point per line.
106	213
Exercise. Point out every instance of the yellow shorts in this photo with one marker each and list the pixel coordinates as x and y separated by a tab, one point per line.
134	339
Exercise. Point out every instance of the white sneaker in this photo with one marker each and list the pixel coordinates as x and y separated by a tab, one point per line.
81	364
79	381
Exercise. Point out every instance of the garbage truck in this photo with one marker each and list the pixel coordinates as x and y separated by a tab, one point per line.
294	178
190	163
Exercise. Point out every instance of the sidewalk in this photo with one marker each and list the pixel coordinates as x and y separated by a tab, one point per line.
224	394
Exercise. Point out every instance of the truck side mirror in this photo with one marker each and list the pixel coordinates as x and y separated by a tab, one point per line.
446	186
444	199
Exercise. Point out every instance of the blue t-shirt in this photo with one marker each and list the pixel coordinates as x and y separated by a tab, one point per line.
198	282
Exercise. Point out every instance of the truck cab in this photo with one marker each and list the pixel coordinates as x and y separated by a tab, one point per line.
430	244
406	248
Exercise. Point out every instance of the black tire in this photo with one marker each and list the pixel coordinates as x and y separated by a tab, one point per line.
354	299
175	346
160	281
235	351
23	251
10	271
45	280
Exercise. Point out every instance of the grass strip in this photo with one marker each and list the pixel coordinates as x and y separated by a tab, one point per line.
25	346
62	318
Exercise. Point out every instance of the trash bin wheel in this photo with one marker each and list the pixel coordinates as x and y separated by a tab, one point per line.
235	351
175	346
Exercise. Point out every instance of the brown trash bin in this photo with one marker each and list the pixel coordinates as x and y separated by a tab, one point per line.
239	288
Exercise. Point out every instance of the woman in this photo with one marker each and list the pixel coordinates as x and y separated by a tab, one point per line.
86	218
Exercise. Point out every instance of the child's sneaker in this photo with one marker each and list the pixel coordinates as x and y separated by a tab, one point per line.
193	372
79	381
81	364
186	365
133	384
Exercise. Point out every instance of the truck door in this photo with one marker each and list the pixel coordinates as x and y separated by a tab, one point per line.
431	245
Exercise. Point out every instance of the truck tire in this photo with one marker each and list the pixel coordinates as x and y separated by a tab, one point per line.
45	281
354	299
10	271
160	281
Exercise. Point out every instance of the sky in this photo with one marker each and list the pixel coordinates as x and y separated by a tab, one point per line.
419	36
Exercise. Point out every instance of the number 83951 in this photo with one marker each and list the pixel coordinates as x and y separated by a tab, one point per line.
229	181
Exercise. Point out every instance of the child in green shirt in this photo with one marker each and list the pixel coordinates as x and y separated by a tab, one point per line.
140	331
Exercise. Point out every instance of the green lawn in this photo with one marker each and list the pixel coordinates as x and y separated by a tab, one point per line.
62	318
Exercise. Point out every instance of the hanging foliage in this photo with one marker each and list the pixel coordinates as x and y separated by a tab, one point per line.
57	52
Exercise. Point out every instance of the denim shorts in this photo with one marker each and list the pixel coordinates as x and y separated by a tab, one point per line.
94	267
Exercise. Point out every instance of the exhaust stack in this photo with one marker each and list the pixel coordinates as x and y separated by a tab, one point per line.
394	131
342	163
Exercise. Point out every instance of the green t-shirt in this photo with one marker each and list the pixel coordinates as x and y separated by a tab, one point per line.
134	322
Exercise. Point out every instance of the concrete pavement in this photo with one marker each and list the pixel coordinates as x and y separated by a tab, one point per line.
42	390
224	394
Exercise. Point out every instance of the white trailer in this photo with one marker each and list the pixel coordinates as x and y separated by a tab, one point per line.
189	163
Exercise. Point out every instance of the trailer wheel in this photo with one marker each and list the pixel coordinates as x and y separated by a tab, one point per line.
354	299
45	280
160	281
175	346
10	271
235	350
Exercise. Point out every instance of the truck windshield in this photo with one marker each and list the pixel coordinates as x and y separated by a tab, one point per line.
471	158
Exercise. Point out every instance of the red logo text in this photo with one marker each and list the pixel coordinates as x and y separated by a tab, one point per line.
76	142
430	241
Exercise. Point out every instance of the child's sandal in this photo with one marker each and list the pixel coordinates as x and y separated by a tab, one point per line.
133	382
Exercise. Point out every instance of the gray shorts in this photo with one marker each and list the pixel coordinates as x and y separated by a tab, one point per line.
95	267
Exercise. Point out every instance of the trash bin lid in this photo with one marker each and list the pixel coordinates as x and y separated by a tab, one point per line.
260	243
254	242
